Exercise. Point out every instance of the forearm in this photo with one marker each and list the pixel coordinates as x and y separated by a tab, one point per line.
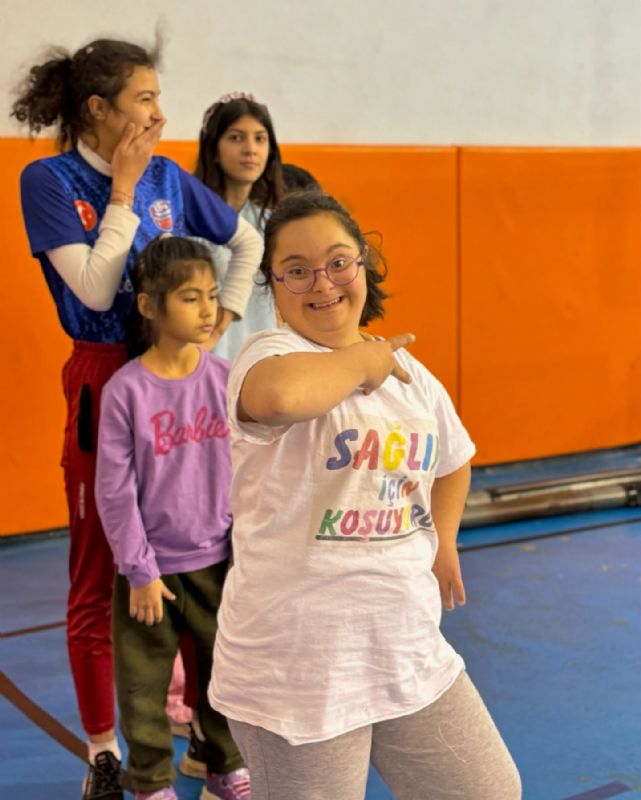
283	390
246	252
94	274
137	562
448	501
117	494
124	531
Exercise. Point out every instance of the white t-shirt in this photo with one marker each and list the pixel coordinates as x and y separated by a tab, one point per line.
330	615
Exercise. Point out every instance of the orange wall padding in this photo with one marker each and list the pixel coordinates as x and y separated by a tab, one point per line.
408	193
32	414
550	300
519	271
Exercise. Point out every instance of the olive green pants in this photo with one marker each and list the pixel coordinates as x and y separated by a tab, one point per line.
144	657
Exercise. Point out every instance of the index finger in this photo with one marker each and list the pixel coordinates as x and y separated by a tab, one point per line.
401	340
400	374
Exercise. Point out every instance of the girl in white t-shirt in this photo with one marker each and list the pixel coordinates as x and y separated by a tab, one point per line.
351	471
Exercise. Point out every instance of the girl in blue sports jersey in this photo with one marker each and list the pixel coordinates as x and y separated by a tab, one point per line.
88	212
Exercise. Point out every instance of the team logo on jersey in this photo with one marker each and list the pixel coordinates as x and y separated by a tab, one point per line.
160	211
87	214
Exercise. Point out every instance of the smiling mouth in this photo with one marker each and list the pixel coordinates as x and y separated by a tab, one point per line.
328	304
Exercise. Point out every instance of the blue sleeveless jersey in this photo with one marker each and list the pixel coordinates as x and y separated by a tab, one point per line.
63	201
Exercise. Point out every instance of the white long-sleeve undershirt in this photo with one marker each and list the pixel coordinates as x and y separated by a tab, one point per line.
246	252
94	273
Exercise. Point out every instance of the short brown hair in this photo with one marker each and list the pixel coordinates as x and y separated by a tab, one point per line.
300	205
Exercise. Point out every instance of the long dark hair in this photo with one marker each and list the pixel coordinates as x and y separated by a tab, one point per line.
269	188
164	265
57	91
300	205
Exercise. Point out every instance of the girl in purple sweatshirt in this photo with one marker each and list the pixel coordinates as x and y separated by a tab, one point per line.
162	488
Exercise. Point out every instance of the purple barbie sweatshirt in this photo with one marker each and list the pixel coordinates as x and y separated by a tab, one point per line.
164	470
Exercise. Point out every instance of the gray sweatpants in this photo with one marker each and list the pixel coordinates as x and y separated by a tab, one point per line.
450	749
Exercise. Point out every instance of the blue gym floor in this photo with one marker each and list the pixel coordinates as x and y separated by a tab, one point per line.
551	635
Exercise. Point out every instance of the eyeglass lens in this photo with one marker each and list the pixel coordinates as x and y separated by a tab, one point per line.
340	272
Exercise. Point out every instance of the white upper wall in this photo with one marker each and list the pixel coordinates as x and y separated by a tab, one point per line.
503	72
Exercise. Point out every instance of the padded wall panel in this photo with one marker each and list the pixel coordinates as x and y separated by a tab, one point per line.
379	184
34	347
550	300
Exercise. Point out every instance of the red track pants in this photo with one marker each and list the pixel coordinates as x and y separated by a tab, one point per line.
91	567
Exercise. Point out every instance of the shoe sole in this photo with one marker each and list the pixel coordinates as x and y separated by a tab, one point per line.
118	795
192	768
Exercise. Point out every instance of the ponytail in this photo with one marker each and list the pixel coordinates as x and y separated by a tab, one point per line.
45	95
57	91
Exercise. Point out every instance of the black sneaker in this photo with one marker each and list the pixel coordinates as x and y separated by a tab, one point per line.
103	781
193	762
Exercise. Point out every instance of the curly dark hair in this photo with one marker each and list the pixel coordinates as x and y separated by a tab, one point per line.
161	267
300	205
269	188
57	91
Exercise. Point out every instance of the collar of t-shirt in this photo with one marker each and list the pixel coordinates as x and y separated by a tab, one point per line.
92	158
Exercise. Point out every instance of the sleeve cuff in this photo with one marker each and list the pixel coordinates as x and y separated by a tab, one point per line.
141	576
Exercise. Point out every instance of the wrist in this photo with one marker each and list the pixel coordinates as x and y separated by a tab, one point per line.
120	197
225	318
447	540
359	361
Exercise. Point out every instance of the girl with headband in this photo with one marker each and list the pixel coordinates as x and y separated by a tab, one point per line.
239	159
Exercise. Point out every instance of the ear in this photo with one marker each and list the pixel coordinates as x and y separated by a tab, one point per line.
146	306
98	106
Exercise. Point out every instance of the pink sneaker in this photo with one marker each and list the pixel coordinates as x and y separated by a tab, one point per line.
227	786
179	714
159	794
